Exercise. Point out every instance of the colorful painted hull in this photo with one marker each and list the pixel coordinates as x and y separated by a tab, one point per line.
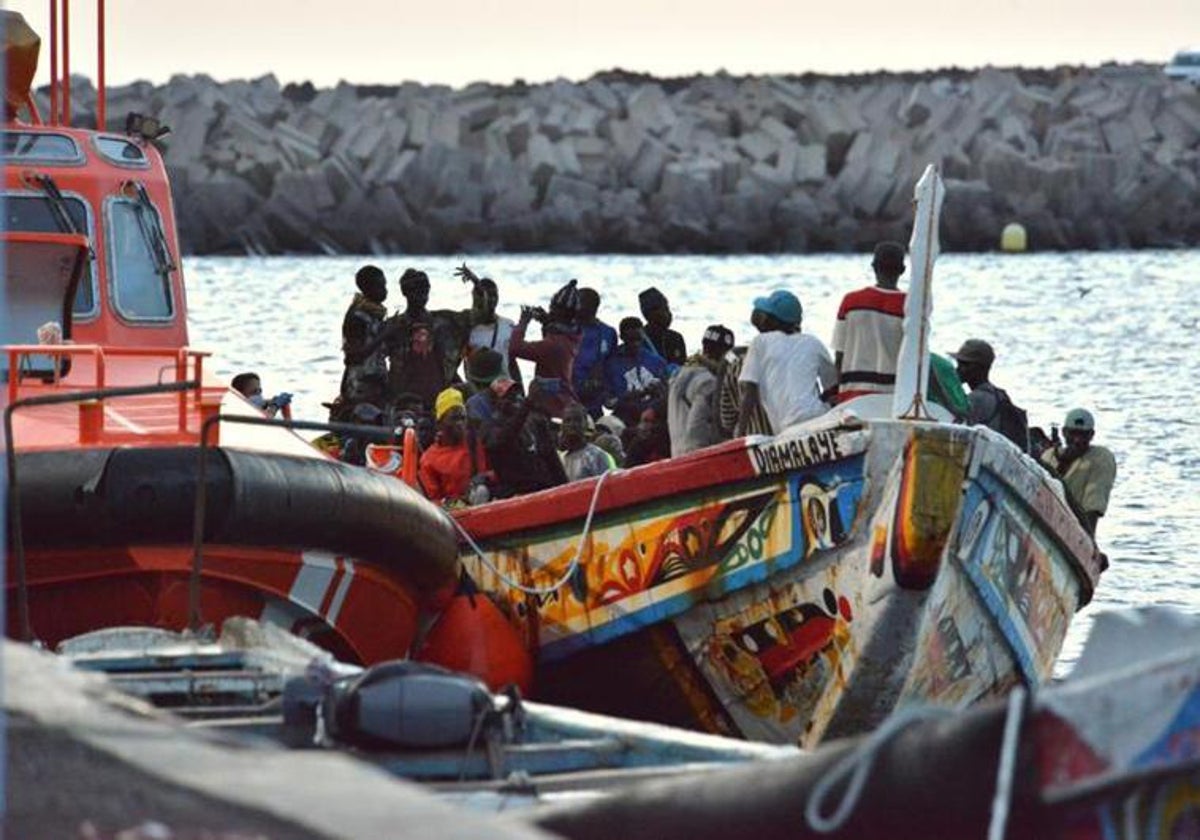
793	588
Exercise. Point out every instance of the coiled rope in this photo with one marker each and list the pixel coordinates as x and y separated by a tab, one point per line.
571	567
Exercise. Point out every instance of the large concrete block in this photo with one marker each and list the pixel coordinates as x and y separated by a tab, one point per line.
757	146
336	104
577	190
626	138
789	101
810	163
542	159
776	130
420	121
446	127
648	107
602	96
645	173
521	128
584	119
299	149
314	126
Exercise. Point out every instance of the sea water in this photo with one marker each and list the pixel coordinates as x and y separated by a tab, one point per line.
1115	333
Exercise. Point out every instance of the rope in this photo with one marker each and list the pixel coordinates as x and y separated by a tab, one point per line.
571	567
857	766
1008	760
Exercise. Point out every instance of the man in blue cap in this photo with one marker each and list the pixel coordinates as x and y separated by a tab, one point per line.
1087	471
785	370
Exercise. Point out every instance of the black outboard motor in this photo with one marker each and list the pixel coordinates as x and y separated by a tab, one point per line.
406	705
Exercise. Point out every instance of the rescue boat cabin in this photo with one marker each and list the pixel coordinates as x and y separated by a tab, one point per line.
93	285
89	216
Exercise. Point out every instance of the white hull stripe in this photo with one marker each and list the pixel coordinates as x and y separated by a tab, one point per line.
312	581
339	596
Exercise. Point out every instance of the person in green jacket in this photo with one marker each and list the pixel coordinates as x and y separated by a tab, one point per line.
946	389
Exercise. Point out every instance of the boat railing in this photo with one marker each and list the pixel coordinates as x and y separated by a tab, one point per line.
184	361
95	397
370	433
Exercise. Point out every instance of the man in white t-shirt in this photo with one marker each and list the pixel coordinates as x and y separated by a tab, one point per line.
491	330
785	370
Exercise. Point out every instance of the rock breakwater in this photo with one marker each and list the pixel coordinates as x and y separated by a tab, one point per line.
1084	158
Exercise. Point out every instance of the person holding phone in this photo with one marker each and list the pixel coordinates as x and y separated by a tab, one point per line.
553	356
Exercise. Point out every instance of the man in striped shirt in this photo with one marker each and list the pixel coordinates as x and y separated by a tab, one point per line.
869	328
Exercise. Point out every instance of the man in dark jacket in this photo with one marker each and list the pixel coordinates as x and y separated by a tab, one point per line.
519	443
657	312
363	350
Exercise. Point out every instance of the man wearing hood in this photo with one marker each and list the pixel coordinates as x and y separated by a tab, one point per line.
691	401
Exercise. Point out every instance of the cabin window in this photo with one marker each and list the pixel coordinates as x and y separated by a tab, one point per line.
122	152
38	146
33	212
139	265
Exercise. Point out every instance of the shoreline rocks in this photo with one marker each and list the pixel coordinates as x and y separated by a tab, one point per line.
1084	158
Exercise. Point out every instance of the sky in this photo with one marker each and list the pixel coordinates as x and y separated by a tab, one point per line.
456	42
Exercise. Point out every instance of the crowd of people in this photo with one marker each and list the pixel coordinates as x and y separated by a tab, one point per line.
602	398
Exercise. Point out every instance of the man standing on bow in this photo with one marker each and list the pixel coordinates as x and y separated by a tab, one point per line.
1087	471
785	370
869	329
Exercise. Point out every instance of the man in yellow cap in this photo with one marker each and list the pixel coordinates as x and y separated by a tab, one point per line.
449	464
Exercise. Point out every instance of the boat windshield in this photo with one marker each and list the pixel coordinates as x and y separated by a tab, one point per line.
137	262
38	213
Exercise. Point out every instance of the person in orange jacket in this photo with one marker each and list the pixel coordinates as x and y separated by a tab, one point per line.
448	466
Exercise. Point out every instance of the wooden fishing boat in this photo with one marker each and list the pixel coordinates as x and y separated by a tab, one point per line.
116	515
796	587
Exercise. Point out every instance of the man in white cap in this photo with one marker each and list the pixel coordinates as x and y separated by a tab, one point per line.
1087	471
691	400
785	370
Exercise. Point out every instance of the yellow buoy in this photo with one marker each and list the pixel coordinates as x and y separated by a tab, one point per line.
1013	239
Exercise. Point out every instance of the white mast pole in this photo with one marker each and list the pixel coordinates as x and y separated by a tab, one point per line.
912	368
